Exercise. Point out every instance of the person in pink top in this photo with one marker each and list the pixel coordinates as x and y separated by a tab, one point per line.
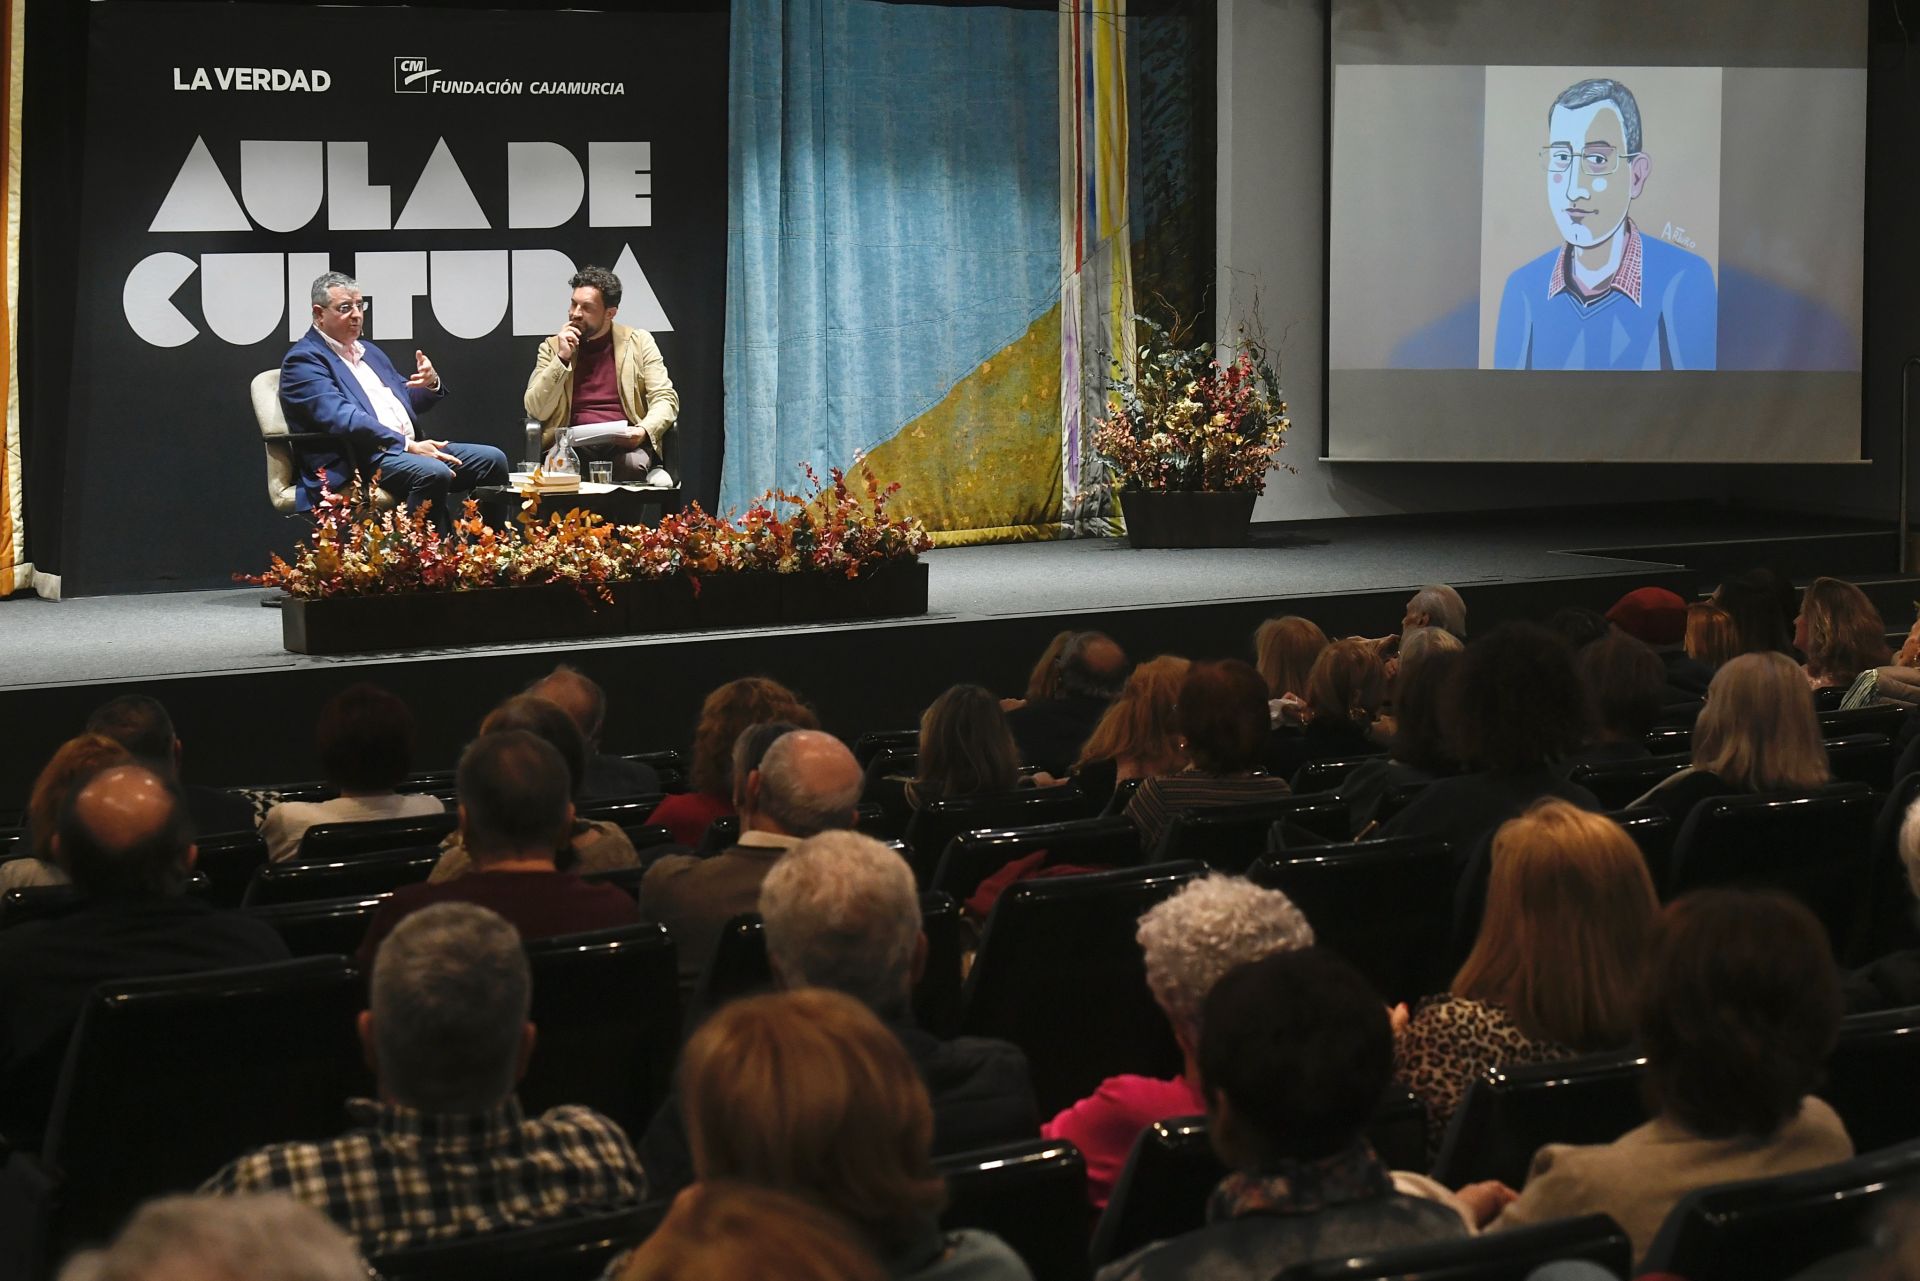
1190	940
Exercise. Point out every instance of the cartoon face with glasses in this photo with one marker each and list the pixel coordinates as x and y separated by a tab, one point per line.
1594	170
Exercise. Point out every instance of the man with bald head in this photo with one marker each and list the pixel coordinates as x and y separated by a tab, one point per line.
1051	732
807	782
124	839
580	697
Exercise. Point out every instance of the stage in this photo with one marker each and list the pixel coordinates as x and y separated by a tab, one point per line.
215	657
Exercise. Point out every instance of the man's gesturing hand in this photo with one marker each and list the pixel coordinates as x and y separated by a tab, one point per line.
423	373
433	449
565	343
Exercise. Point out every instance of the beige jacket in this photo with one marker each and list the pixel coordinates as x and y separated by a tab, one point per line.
646	393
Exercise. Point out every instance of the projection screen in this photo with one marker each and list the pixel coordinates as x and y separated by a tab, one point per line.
1632	237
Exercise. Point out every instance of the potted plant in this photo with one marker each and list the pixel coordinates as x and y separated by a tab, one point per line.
1192	433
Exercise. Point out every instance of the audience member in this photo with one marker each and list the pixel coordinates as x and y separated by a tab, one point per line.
1738	1010
1757	733
1569	908
1842	636
1578	625
595	845
1625	684
515	811
1344	692
123	838
1517	709
1762	604
1136	738
1652	615
724	716
580	696
76	760
1436	605
807	782
1222	714
1712	637
734	1230
1294	1055
1419	752
365	741
1051	731
142	726
269	1237
965	749
1210	926
841	912
1891	981
1284	652
1043	681
446	1152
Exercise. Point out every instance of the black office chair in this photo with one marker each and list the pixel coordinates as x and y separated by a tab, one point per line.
1060	975
1384	905
937	822
1776	1227
338	842
607	1006
577	1248
371	874
168	1079
1618	784
1230	838
1495	1256
1813	845
1510	1113
1032	1195
1871	1075
972	857
1324	776
322	927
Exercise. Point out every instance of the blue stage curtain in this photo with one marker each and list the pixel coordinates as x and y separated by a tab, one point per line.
893	218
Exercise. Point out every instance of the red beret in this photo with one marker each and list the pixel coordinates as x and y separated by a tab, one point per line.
1652	614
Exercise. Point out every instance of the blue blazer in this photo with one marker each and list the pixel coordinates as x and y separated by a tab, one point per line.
320	394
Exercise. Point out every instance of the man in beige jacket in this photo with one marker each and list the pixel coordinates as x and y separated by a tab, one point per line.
607	382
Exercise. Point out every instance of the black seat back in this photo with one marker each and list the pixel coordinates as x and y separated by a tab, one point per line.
1032	1195
1871	1076
49	902
338	842
937	822
1059	974
1780	1226
1494	1256
1885	719
972	857
1508	1114
1618	784
322	927
1892	921
607	1008
1325	775
721	833
669	766
373	874
1813	845
168	1079
1862	758
873	742
229	862
1653	832
571	1249
621	811
1386	906
1230	838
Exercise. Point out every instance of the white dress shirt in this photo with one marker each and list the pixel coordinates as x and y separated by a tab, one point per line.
386	406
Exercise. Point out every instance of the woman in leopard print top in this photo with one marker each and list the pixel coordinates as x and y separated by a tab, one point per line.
1569	909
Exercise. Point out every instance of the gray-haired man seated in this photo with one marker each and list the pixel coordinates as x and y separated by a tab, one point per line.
446	1152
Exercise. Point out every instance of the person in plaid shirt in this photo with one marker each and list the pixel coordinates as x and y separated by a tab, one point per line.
447	1152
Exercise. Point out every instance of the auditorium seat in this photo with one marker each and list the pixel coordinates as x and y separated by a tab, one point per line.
1032	1195
1230	838
873	742
1891	922
322	927
228	863
1617	784
168	1079
570	1249
668	765
428	783
1780	1226
1385	905
373	874
1862	758
620	810
1876	718
972	857
1325	775
1653	831
1666	740
1495	1256
44	902
336	842
1122	795
721	833
1510	1112
937	822
884	783
607	1006
1813	845
1871	1077
1060	975
1173	1169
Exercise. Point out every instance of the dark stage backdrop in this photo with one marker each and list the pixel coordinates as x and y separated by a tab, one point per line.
460	164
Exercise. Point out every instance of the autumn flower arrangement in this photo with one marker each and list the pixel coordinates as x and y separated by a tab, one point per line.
831	528
1190	416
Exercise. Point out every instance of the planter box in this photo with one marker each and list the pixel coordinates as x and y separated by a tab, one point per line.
1187	517
506	615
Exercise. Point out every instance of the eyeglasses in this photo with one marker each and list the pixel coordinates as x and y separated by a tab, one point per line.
1593	164
348	308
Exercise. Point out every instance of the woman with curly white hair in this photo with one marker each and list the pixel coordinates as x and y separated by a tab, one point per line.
1190	940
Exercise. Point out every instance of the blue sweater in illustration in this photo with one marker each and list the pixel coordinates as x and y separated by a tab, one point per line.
1660	311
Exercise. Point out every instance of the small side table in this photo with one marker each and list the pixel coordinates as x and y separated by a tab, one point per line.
617	504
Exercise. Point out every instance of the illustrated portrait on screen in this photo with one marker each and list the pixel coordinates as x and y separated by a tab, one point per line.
1611	294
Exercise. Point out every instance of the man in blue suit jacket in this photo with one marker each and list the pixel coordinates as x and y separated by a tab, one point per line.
331	381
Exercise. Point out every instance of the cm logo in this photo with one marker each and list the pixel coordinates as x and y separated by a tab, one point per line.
410	75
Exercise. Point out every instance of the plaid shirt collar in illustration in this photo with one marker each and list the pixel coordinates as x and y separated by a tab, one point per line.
402	1177
1626	277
